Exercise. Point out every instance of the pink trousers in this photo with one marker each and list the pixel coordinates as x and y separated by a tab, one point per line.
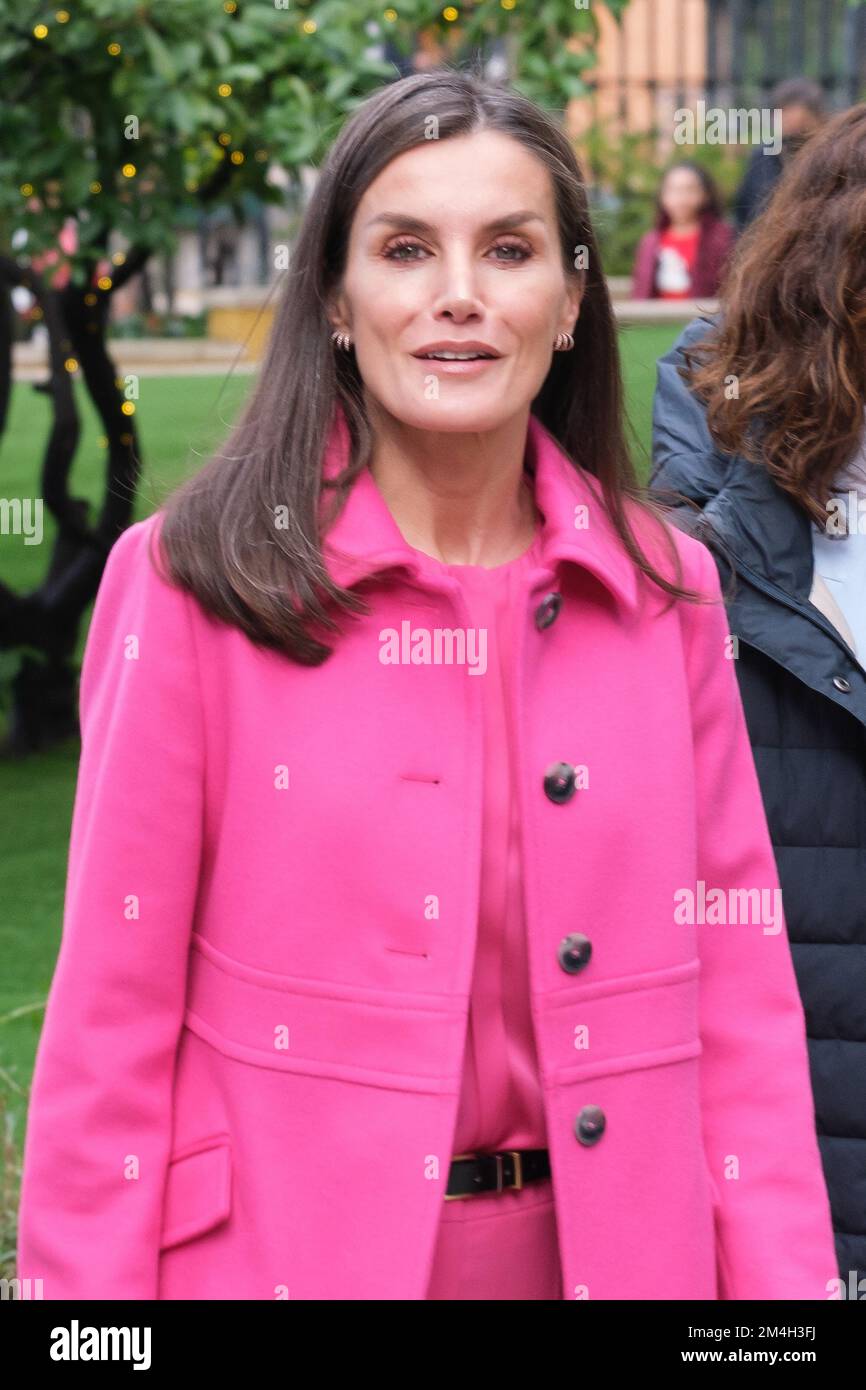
498	1245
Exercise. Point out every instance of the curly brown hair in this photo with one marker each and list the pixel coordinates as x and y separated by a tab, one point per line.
784	373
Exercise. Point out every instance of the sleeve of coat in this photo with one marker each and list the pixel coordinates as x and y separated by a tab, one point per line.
100	1112
774	1231
685	458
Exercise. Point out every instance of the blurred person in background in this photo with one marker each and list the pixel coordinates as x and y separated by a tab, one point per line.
684	254
801	102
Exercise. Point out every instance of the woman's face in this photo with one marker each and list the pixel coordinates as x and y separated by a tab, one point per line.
682	195
456	242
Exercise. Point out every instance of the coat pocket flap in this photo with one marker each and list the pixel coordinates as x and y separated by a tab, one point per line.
197	1191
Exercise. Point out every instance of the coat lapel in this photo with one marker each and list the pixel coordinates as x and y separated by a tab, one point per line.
364	539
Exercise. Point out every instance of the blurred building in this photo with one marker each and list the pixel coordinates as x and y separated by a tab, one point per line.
668	54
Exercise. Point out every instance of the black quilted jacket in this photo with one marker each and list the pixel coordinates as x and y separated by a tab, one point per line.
804	695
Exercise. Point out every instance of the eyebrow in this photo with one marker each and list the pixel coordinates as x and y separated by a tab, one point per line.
415	224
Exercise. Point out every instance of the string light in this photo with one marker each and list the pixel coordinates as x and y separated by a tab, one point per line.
26	190
237	157
71	364
62	16
104	282
225	89
40	31
309	26
114	49
450	13
128	408
129	171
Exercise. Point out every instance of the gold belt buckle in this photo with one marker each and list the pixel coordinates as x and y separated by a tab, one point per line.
518	1170
515	1186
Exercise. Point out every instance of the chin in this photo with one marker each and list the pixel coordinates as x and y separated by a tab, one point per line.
451	417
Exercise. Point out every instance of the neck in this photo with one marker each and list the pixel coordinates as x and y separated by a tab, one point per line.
690	225
461	498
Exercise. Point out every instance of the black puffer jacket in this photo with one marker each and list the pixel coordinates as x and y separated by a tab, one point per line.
804	695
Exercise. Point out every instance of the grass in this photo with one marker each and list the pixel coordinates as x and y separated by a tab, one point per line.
180	419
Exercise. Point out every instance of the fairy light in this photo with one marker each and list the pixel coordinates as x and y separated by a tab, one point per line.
450	13
40	31
119	257
90	298
237	157
129	171
390	16
128	408
114	49
309	26
229	6
62	16
225	89
71	364
104	282
26	190
224	138
96	186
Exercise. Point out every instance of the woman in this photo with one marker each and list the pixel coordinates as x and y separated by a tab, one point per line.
683	256
303	1040
763	445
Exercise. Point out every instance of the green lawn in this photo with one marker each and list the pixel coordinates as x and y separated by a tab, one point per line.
180	419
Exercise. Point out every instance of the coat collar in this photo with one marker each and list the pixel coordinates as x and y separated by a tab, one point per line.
365	539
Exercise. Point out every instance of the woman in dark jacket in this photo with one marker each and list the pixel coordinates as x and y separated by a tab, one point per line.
684	255
761	446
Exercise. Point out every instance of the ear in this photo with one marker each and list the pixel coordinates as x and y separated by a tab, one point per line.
335	309
574	295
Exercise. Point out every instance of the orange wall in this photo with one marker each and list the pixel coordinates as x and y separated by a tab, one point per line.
657	38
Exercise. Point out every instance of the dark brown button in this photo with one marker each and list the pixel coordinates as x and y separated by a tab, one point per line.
589	1125
574	952
559	782
548	611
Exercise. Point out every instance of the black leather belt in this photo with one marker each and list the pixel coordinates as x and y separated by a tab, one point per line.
470	1174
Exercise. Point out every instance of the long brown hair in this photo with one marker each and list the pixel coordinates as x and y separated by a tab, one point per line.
217	534
783	373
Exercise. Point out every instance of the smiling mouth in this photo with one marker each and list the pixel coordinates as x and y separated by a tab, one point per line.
455	356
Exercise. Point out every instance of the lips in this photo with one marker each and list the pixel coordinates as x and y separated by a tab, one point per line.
451	352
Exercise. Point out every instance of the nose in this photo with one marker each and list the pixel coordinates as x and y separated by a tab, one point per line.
457	288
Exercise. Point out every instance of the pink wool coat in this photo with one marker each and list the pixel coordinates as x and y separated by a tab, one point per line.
248	1078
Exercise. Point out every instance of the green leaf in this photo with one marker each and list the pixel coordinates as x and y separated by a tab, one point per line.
160	56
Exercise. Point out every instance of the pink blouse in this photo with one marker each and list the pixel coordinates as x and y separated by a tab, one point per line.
500	1103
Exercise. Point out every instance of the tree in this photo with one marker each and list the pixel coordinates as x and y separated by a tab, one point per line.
118	119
